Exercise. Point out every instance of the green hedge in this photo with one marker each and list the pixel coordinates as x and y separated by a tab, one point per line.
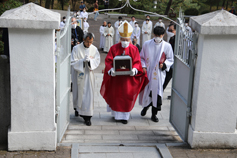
191	11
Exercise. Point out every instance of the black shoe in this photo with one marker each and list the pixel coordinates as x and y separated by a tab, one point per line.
88	123
124	121
144	110
76	113
154	118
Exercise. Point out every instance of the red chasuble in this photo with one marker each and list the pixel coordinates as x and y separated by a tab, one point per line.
121	92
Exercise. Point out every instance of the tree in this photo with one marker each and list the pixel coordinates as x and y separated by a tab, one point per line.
168	7
47	4
52	3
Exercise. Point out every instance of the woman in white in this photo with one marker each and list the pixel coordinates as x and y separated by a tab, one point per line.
109	34
102	37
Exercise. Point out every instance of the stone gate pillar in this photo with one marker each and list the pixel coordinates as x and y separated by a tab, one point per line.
214	105
32	70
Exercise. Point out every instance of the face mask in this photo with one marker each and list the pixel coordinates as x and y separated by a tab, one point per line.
64	20
136	25
125	44
158	39
74	26
171	34
84	10
186	24
160	20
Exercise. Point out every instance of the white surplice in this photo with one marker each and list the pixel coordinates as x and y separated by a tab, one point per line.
161	24
85	77
86	27
118	115
108	39
102	37
136	32
83	15
146	28
117	36
132	23
150	56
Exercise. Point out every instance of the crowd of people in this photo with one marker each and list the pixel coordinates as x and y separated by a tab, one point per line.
152	65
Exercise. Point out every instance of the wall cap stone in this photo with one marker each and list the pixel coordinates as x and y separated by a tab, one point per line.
30	16
219	22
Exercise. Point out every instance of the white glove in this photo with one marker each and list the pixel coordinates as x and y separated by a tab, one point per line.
111	72
134	72
86	59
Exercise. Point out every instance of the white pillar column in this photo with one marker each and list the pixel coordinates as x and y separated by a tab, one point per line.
32	70
214	109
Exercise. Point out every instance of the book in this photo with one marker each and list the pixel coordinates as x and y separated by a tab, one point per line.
163	58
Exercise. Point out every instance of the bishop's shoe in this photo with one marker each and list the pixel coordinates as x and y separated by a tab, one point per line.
124	121
88	122
154	118
76	113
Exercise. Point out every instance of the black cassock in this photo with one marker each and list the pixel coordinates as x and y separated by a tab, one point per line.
77	35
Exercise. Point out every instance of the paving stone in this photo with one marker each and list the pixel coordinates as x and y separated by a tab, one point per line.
101	132
137	141
104	121
119	155
75	132
137	149
120	137
118	128
103	141
151	128
98	149
78	127
158	138
88	155
82	137
135	122
73	141
136	132
166	133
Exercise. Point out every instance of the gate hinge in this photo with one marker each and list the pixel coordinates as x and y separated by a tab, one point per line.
188	113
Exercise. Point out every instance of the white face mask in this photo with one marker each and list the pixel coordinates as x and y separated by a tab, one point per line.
136	25
158	39
125	44
160	20
84	10
186	24
64	20
74	26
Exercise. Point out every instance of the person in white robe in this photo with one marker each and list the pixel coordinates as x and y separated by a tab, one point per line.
116	25
109	34
85	59
86	26
146	31
151	55
62	23
83	14
102	37
136	33
148	17
132	22
160	23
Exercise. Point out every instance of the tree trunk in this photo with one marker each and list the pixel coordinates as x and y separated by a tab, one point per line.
62	3
232	2
210	7
47	4
223	4
227	3
40	2
168	7
218	2
52	3
26	1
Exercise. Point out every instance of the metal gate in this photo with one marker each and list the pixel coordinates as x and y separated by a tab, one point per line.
63	82
183	75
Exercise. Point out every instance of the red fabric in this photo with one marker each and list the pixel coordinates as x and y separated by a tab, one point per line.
121	92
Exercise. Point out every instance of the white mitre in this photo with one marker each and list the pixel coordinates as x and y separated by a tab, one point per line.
125	29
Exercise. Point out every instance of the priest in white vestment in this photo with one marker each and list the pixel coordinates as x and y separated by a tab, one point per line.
136	33
85	59
83	14
156	68
109	34
116	25
86	26
132	22
146	31
160	23
102	37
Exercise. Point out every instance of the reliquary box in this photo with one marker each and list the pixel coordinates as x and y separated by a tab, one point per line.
122	65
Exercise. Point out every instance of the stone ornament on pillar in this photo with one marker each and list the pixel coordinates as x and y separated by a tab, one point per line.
32	69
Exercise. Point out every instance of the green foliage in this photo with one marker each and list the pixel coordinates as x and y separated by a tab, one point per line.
101	7
10	4
205	11
191	11
90	9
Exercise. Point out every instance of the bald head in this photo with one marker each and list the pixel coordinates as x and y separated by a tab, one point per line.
74	20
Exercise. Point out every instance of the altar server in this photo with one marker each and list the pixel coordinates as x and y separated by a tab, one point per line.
146	31
116	26
136	33
85	59
120	92
102	37
156	58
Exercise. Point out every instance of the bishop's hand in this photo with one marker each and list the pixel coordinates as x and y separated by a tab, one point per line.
86	58
111	72
134	72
